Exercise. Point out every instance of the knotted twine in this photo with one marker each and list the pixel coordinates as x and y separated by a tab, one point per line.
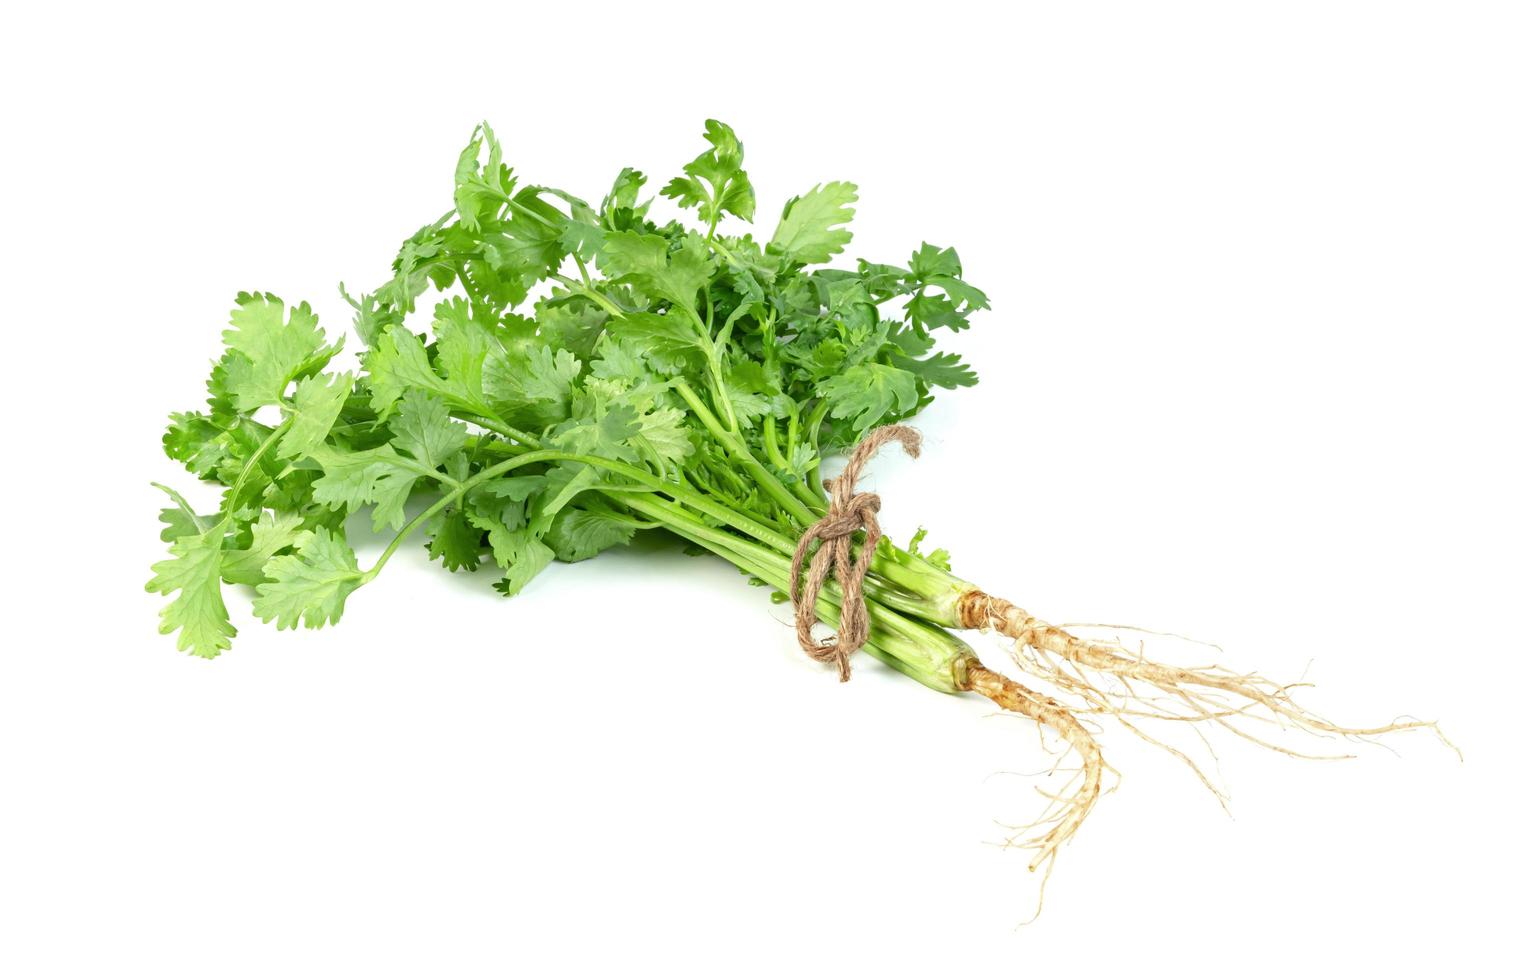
848	511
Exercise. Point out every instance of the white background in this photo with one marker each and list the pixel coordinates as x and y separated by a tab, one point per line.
1252	374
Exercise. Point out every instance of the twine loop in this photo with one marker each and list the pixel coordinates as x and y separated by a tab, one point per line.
848	512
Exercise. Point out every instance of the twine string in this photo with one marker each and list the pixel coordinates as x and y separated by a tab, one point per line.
849	511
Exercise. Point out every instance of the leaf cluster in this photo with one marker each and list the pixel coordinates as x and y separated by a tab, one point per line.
576	362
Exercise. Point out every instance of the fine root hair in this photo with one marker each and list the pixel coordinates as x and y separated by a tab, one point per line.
1107	678
1069	806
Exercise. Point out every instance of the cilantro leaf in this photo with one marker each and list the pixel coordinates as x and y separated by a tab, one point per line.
868	393
515	548
179	523
267	350
536	387
198	441
378	476
941	369
194	570
527	556
664	435
715	182
309	587
399	361
579	533
809	230
271	533
315	406
481	190
456	542
941	269
621	210
424	430
668	344
606	433
644	261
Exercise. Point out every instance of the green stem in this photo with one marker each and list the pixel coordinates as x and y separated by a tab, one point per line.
770	443
698	501
715	366
500	427
525	212
931	656
496	469
774	487
248	467
184	506
780	565
590	293
817	416
918	587
719	246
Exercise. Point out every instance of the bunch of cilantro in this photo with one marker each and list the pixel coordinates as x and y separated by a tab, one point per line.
585	374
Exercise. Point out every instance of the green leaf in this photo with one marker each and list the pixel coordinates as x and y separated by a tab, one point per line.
272	533
645	262
352	480
309	587
866	393
668	343
465	345
424	430
315	407
942	369
456	542
578	533
180	520
941	269
621	209
528	245
268	350
573	326
619	359
396	363
399	361
930	261
480	193
531	557
607	433
563	483
521	554
810	230
716	184
665	433
515	488
753	391
687	271
627	252
548	374
198	441
583	239
194	571
939	557
536	387
179	523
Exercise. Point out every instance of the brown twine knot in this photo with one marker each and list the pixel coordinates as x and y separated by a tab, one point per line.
848	511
